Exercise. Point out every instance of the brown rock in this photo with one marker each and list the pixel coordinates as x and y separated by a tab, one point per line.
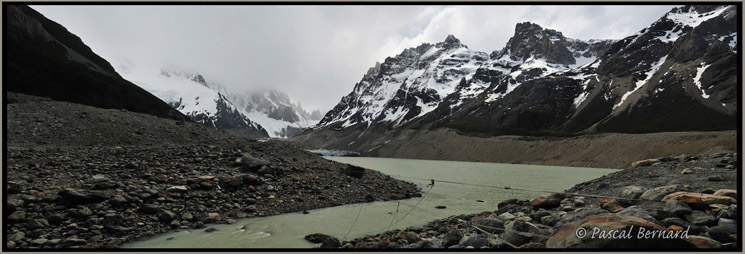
686	171
643	163
726	193
699	200
566	236
547	202
611	205
717	207
212	217
675	227
507	202
161	178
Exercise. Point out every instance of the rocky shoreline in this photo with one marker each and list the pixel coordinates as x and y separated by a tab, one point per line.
669	202
85	177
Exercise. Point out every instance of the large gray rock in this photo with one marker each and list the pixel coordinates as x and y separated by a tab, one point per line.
452	237
676	207
475	241
72	197
490	225
251	164
17	216
317	237
631	192
517	232
660	192
166	216
723	233
701	218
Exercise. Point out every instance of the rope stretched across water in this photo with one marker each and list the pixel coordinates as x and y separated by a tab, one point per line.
394	217
532	190
355	222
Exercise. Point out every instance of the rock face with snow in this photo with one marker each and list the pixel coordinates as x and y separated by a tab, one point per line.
275	111
678	74
190	93
253	114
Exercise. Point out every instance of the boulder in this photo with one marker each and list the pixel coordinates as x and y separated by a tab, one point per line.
72	197
675	221
475	241
629	193
331	243
490	225
547	202
317	238
518	232
72	242
177	189
37	223
639	212
676	207
166	216
582	214
452	237
212	218
511	201
611	205
701	218
251	179
660	192
411	237
17	216
686	171
16	236
506	216
644	163
726	193
566	236
118	200
699	200
251	164
723	233
729	213
229	182
716	178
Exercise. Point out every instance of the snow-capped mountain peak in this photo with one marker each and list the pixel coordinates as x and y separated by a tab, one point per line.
416	81
258	113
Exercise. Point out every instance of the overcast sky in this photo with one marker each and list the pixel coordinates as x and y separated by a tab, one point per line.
316	53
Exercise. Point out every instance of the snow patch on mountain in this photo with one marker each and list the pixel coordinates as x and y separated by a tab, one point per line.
648	75
697	79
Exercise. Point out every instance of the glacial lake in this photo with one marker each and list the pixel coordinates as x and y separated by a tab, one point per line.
289	230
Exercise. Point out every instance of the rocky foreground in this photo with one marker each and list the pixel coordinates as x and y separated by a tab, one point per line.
85	177
682	202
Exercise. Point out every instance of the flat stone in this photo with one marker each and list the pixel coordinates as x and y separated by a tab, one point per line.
699	200
177	189
660	192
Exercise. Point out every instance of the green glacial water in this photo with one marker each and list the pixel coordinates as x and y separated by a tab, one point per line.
288	230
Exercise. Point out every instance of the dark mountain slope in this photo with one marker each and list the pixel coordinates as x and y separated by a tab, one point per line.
47	60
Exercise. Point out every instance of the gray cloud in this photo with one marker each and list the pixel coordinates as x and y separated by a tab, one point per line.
316	53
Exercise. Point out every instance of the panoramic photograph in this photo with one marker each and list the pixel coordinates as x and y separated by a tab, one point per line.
136	127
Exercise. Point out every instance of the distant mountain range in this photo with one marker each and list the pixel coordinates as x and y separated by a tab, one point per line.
678	74
249	113
47	60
